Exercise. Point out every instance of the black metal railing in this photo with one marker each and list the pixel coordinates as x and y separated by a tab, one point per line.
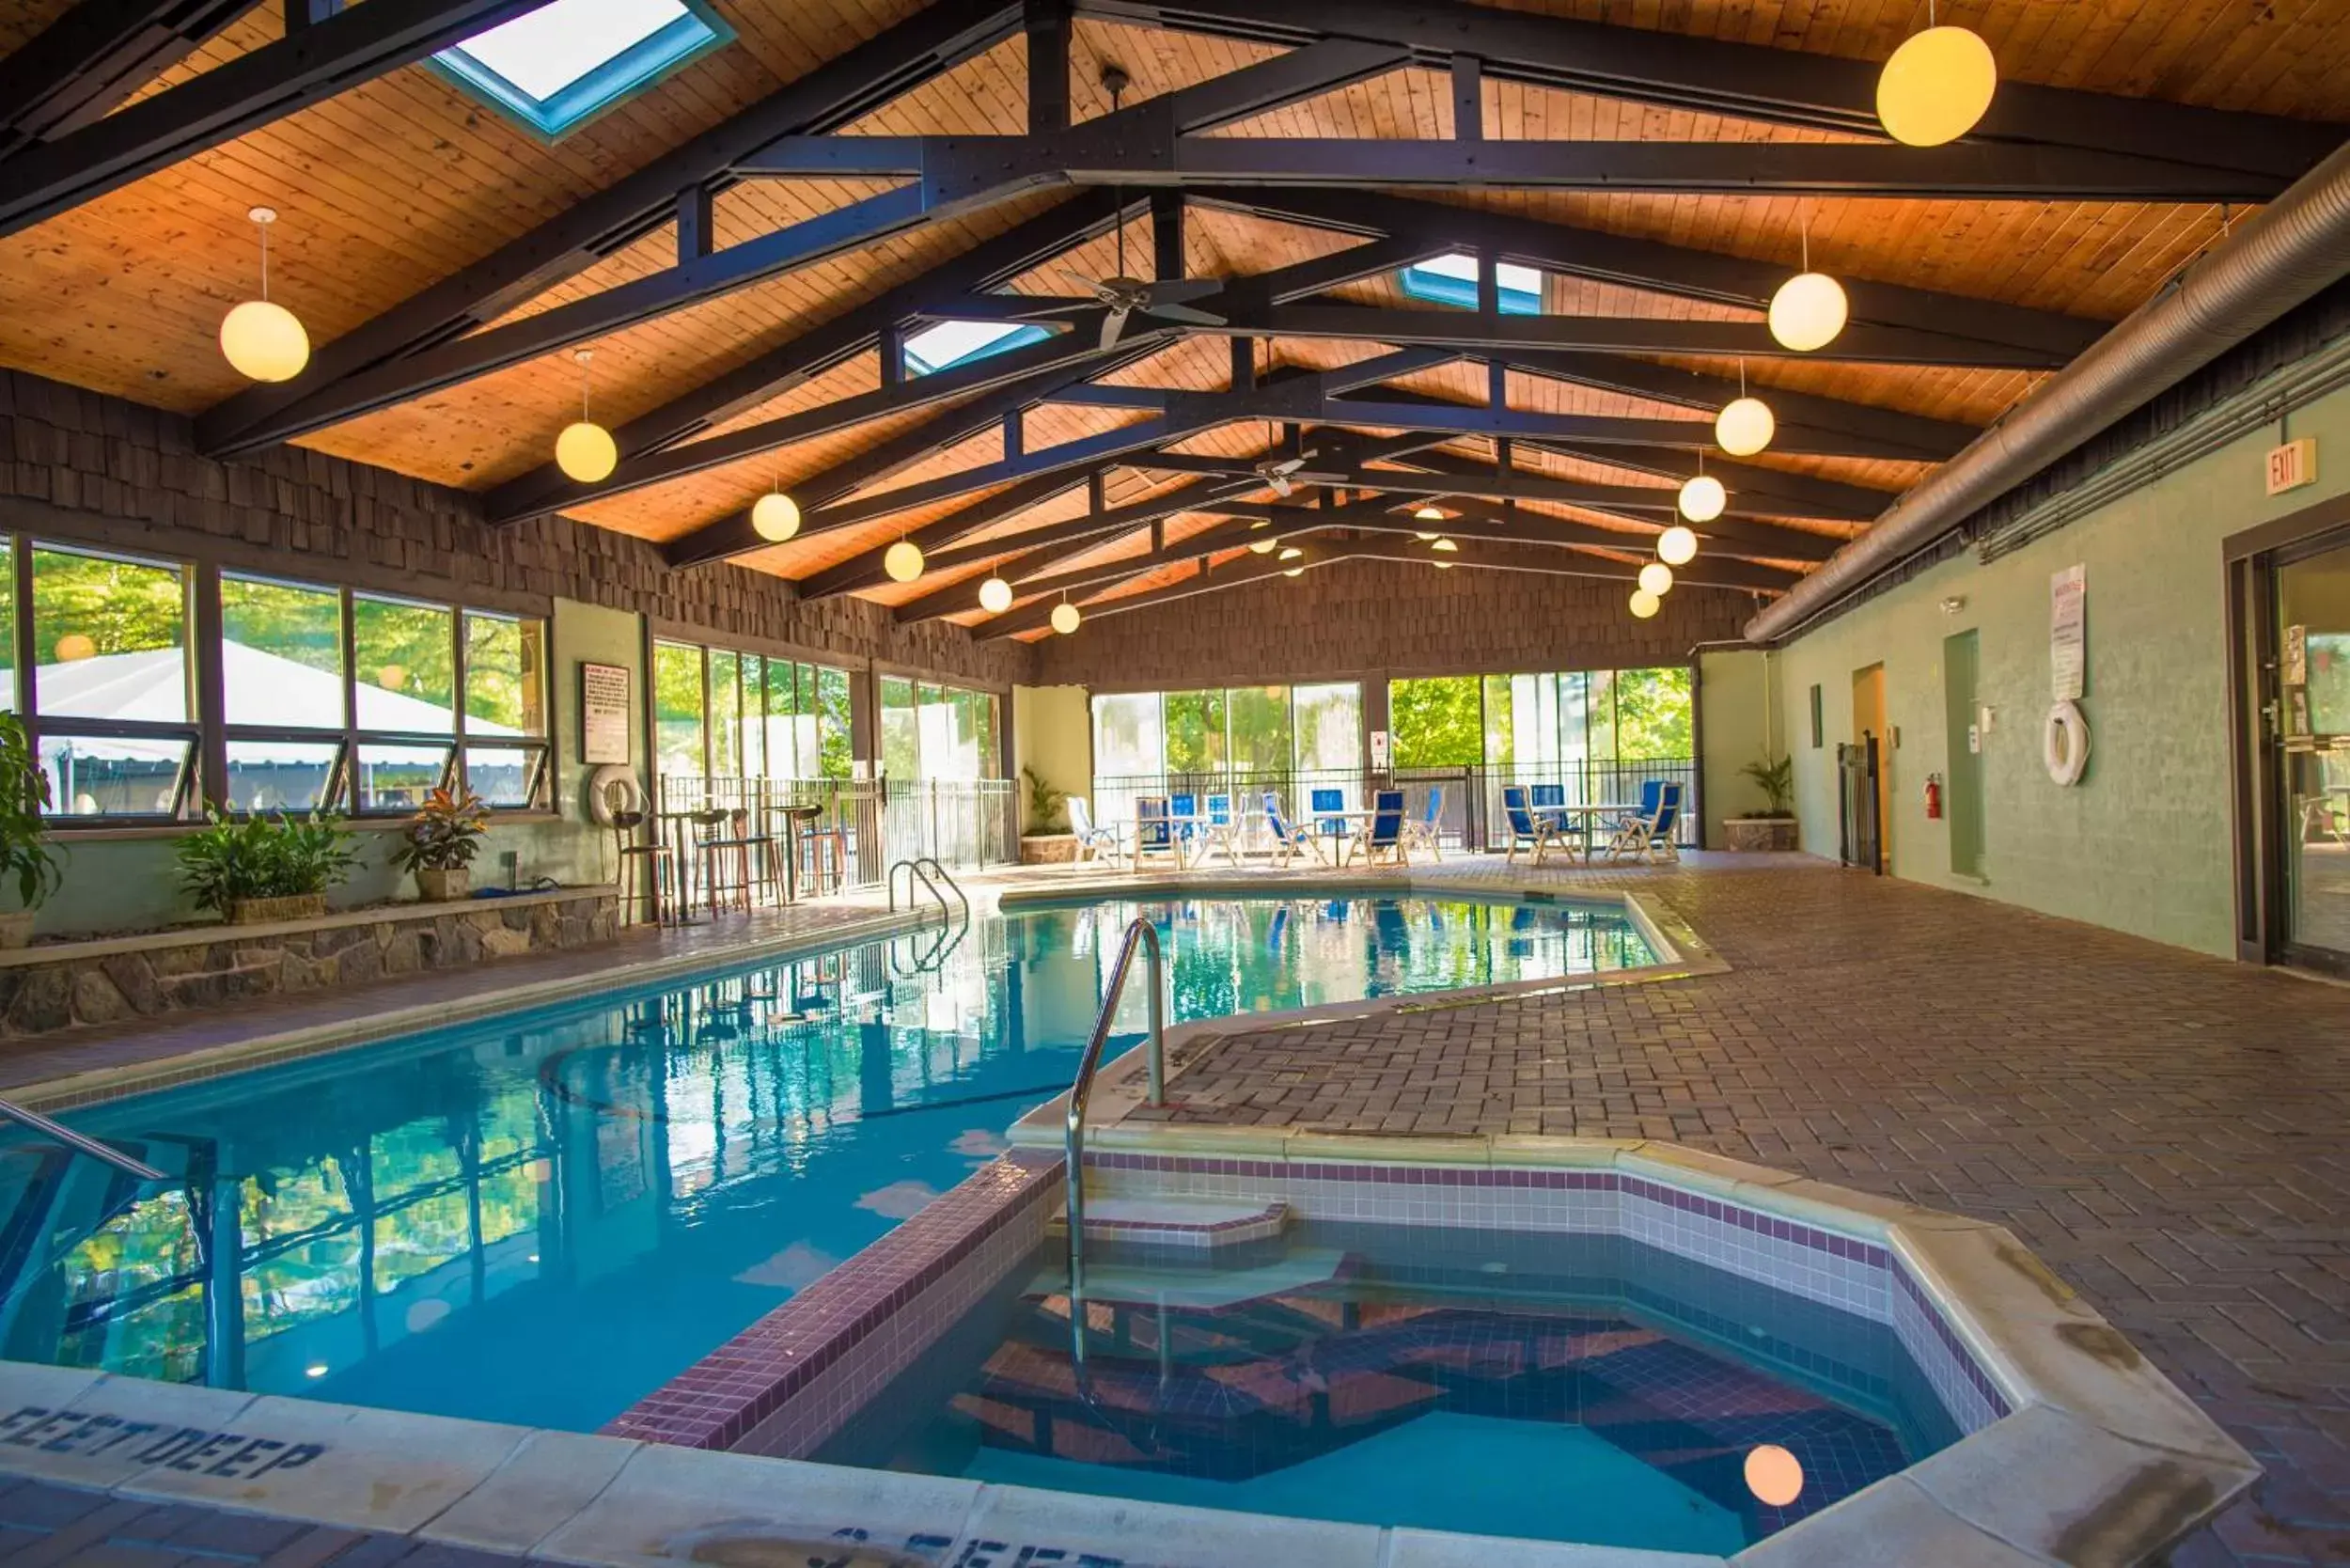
1468	814
1859	831
862	826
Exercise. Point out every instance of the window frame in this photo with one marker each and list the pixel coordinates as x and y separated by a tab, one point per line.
1436	288
641	66
807	668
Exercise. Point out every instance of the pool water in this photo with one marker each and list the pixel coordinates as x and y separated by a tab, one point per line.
544	1216
1565	1388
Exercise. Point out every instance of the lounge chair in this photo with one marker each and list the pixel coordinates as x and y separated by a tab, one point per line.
1183	809
1093	842
1154	833
1423	834
1526	829
1648	834
1289	838
1220	831
1332	828
1385	835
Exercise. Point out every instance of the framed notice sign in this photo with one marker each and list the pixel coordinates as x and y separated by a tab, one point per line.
602	713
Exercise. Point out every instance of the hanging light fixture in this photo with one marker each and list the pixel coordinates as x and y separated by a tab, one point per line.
1429	513
1291	553
1441	566
1263	546
1677	545
1645	603
995	593
1423	538
261	337
1446	545
774	516
902	560
1656	578
1938	86
585	451
1745	425
1065	616
1295	572
1702	498
1808	311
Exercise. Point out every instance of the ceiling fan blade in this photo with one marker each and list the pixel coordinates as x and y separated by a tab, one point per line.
1075	276
1112	324
1281	485
1185	313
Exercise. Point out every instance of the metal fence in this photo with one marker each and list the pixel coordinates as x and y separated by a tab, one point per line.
861	826
1468	814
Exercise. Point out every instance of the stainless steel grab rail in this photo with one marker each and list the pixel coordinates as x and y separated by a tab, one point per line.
1138	933
78	1142
914	867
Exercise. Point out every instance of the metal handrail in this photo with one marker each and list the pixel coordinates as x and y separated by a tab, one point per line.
916	866
78	1142
1138	931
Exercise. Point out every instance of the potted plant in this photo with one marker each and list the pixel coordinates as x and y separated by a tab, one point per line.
1045	836
259	870
1775	826
25	858
440	842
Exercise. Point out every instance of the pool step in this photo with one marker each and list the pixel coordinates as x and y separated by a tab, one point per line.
1198	1290
1201	1222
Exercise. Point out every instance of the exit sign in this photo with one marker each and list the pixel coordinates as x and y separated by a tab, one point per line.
2291	465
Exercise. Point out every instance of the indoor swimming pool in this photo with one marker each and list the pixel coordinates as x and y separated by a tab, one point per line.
541	1217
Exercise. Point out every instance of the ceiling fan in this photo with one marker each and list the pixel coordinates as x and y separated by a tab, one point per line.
1281	472
1124	295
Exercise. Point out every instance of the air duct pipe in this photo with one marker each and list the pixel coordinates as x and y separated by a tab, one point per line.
2293	248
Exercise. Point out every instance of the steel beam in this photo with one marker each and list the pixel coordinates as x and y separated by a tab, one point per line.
841	90
80	66
864	570
1037	617
235	96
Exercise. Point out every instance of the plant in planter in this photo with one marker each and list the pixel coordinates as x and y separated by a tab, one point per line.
257	869
1047	807
440	842
25	858
1774	827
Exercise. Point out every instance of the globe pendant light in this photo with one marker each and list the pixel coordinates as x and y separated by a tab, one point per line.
1808	311
1441	566
1702	498
995	594
1938	86
261	338
902	561
1656	578
1446	545
1262	546
1291	553
585	451
1745	425
1645	603
1295	572
1431	514
1677	546
1065	618
774	516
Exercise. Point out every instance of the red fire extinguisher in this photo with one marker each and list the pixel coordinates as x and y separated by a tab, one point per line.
1933	797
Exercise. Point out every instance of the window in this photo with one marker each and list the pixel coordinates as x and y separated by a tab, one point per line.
113	714
1436	724
1329	725
937	732
722	714
572	59
1452	280
901	735
951	343
281	668
1195	739
678	713
1259	721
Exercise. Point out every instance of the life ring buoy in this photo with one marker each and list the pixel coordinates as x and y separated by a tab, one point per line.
2065	744
613	788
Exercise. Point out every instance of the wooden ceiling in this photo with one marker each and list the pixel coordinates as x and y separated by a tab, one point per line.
405	180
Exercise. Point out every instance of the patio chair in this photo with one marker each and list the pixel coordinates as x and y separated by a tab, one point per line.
1092	842
1526	830
1289	838
1332	827
1154	833
1647	835
1220	831
1423	835
1185	807
1550	800
1385	835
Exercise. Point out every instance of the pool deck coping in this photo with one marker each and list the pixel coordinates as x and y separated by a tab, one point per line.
2102	1461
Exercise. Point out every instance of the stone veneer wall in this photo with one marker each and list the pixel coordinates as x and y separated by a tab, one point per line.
120	473
108	982
1356	618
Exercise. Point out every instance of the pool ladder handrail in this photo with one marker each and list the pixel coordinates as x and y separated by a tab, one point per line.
923	866
1139	933
79	1143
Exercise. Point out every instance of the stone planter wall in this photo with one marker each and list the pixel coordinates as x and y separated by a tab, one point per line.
1762	832
1047	848
58	985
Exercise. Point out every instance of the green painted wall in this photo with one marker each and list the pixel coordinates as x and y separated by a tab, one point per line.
1743	716
2142	844
1051	732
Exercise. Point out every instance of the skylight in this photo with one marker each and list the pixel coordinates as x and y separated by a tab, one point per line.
951	343
572	59
1452	280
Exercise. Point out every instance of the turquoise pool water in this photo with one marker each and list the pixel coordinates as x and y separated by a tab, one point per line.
541	1217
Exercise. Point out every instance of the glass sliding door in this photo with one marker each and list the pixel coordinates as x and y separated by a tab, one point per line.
2310	737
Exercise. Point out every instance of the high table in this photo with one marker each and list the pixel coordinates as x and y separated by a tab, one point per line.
1589	812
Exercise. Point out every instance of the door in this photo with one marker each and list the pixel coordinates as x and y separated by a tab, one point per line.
1961	789
1867	721
2309	734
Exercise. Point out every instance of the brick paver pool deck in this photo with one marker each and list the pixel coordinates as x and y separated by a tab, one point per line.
2170	1132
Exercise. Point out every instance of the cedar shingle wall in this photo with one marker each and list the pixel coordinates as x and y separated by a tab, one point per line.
130	477
1353	616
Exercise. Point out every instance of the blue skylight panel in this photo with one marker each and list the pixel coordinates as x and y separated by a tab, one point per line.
1452	280
951	343
572	59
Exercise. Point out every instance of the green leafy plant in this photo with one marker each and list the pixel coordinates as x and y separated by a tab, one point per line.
231	859
445	834
25	858
1046	805
1777	780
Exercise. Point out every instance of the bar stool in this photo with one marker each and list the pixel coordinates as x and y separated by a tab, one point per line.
823	849
645	869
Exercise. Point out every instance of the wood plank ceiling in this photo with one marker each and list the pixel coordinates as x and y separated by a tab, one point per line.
406	179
